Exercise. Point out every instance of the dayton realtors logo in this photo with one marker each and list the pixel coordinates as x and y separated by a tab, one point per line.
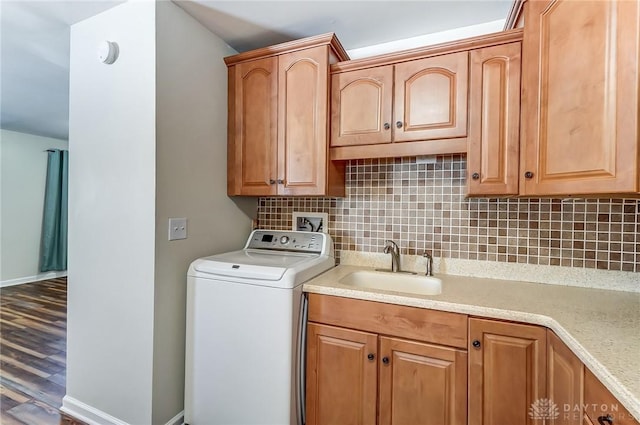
543	408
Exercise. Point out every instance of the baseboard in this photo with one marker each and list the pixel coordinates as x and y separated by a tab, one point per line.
93	416
29	279
86	413
177	419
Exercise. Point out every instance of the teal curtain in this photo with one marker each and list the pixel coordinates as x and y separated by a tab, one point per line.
53	247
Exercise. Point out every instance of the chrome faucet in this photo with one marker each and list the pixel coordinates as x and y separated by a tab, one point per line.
429	269
392	248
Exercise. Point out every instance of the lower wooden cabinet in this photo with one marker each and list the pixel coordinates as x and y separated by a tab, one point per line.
398	365
341	376
421	383
406	382
507	371
601	407
565	382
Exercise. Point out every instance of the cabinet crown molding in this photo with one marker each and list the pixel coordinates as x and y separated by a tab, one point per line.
292	46
433	50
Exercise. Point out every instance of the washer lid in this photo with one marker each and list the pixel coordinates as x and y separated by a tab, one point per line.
251	264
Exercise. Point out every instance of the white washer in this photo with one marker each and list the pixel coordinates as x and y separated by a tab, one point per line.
246	317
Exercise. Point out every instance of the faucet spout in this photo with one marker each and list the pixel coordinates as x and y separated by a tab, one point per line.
392	248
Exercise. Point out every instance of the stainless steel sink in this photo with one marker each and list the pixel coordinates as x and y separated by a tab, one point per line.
399	282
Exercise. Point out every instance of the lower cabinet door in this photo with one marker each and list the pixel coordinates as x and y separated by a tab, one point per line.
565	382
341	376
421	384
507	373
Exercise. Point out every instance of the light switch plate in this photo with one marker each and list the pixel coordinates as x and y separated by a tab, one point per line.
177	228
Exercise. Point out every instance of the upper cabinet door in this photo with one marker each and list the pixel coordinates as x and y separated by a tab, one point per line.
580	97
302	121
494	120
431	98
361	106
252	161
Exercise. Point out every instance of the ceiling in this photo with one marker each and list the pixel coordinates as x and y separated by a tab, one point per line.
35	39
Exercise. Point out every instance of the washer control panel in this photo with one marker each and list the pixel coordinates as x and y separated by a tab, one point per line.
286	240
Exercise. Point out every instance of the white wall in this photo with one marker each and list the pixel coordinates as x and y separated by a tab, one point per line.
427	39
191	181
23	168
111	217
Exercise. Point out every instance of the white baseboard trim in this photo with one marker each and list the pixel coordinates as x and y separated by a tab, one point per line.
93	416
86	413
29	279
177	419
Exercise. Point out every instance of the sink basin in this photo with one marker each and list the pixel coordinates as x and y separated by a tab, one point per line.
399	282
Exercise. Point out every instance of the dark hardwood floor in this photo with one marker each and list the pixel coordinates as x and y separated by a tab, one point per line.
33	341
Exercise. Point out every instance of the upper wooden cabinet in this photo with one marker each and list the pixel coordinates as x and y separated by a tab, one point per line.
430	98
361	106
494	120
507	371
580	98
278	120
413	101
406	103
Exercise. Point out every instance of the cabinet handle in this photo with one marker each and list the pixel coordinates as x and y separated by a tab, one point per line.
272	181
475	176
371	356
385	360
387	126
602	420
399	124
528	175
280	181
476	343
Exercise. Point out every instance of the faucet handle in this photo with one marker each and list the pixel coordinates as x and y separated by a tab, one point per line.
429	265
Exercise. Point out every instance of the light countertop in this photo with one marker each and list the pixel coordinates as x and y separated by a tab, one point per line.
602	327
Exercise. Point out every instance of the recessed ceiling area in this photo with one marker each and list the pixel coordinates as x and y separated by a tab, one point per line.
247	25
35	39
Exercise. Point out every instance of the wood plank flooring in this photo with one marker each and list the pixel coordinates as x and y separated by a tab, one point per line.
33	341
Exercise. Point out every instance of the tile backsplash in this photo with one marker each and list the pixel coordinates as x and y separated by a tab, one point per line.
423	207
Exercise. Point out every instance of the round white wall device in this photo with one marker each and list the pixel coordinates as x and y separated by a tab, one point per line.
108	52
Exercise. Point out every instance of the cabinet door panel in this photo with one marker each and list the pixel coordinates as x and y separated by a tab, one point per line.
507	372
565	381
494	121
361	106
599	402
302	118
255	143
341	380
430	98
422	384
580	97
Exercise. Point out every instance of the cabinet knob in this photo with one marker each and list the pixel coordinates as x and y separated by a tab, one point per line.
385	360
280	181
387	126
476	343
399	124
528	175
371	356
605	420
475	176
272	181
